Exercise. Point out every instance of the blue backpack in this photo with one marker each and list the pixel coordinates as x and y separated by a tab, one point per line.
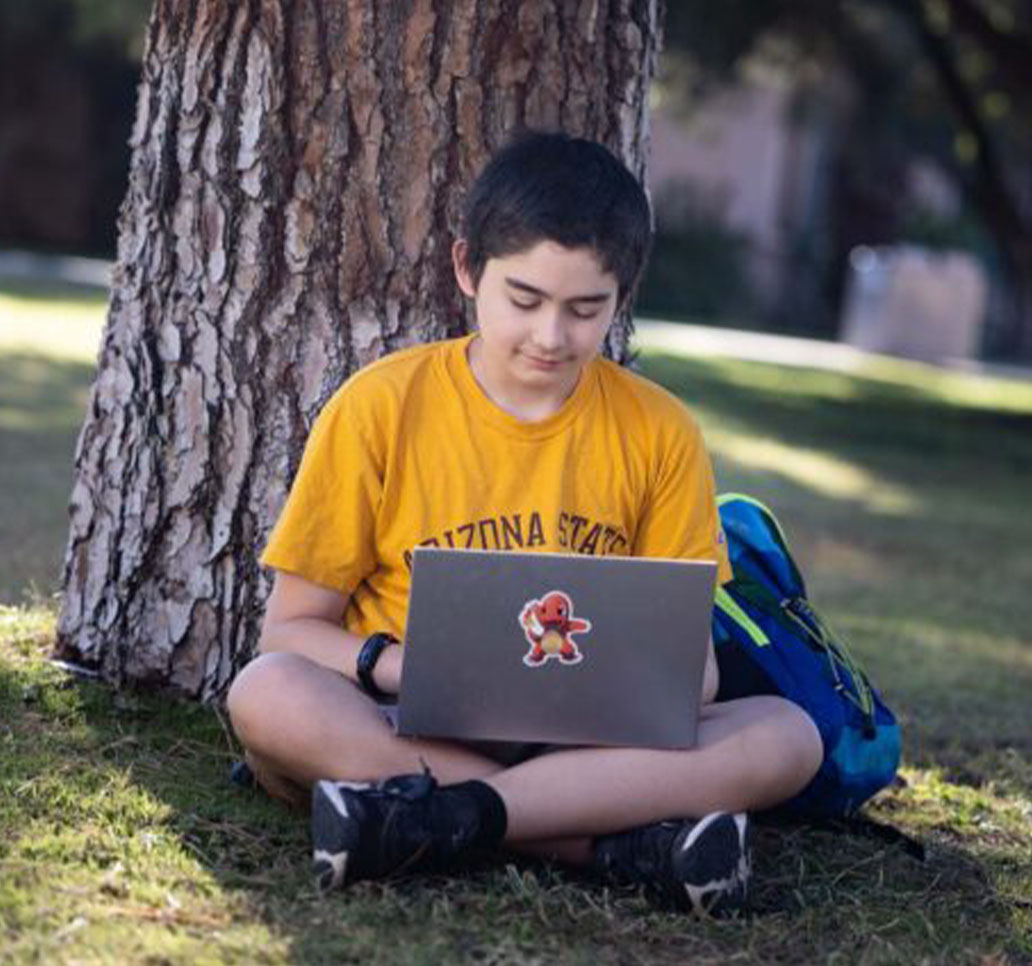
768	628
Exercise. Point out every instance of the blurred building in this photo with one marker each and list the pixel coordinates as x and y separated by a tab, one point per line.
752	160
743	160
757	161
908	301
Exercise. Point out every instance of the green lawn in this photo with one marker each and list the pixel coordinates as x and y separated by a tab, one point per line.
48	349
904	492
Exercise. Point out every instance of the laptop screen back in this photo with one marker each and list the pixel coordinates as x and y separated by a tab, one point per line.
556	648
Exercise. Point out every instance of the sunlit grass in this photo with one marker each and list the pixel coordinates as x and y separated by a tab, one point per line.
971	389
825	473
852	375
66	327
48	347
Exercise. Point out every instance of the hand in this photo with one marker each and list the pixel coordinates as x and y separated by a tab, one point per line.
387	672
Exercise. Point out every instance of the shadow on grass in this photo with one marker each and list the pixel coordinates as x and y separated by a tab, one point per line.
113	772
52	290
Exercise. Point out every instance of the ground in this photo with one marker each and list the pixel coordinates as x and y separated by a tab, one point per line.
904	493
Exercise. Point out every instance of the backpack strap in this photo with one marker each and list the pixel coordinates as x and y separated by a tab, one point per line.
797	613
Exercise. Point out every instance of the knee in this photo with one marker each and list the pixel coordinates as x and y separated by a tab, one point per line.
257	691
786	750
802	748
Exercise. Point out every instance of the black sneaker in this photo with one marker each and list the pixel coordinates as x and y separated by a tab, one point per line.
403	824
701	867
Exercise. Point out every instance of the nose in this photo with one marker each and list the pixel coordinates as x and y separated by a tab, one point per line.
549	331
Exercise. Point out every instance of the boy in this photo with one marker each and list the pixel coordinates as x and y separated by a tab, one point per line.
522	421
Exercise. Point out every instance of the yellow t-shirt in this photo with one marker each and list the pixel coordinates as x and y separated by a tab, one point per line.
410	452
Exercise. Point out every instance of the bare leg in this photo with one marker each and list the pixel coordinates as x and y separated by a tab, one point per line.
303	722
752	753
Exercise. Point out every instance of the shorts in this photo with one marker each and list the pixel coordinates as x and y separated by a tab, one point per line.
739	677
505	753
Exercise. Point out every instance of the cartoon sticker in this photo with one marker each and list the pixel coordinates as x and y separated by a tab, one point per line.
548	625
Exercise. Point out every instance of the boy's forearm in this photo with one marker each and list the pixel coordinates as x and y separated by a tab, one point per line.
319	640
331	646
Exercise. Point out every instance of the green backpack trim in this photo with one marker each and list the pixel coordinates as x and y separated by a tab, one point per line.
729	606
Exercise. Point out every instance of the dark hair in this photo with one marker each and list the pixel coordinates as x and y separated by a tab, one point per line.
550	186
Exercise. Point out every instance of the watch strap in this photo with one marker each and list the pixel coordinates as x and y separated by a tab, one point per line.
369	654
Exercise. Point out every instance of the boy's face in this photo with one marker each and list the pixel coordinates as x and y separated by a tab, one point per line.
542	315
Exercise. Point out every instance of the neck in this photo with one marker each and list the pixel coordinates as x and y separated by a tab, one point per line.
528	407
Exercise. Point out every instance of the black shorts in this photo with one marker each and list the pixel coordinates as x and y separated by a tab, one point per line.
506	753
739	677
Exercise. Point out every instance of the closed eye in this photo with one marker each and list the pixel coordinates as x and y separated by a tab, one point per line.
531	306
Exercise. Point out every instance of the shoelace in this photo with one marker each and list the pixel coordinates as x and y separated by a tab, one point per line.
398	794
409	788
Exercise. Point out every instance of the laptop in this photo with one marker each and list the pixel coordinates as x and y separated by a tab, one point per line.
555	648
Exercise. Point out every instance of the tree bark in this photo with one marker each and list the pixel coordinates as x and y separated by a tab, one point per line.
295	184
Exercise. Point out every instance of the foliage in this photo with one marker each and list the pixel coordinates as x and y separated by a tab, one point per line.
79	23
697	269
947	80
68	73
121	21
934	231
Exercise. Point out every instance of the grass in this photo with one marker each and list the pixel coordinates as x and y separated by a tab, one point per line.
904	493
48	350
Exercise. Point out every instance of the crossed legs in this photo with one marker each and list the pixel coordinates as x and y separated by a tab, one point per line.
301	722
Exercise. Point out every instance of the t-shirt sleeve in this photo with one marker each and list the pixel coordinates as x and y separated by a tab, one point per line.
326	531
680	518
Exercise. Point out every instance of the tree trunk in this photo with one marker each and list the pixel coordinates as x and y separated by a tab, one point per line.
295	184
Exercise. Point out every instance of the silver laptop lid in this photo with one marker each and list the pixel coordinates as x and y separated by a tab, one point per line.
556	648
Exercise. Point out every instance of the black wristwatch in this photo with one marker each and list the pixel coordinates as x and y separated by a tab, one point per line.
367	658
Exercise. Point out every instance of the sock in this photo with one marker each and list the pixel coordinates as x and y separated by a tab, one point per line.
478	801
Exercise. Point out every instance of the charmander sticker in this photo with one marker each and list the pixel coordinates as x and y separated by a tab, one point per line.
549	626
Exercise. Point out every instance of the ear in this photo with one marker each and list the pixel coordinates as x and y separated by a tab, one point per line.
460	252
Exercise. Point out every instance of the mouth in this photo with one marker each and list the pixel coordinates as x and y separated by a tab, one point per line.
546	364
